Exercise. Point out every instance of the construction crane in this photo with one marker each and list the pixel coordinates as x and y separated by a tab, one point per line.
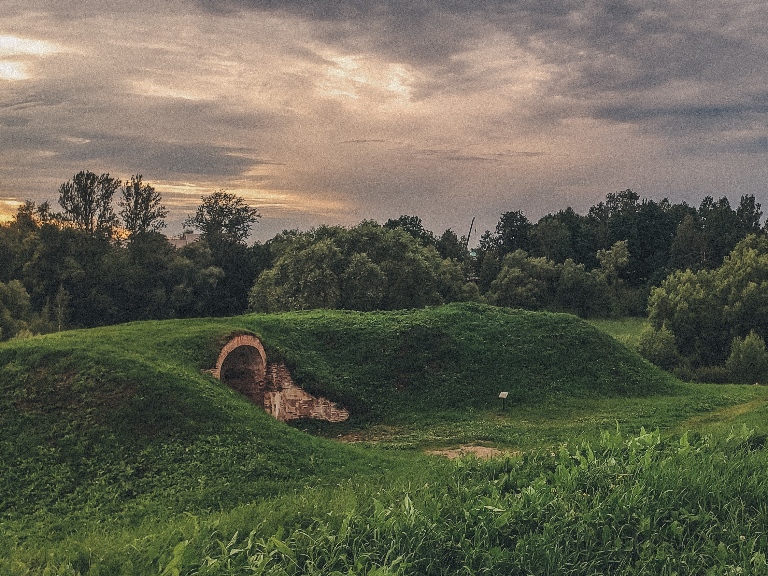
466	242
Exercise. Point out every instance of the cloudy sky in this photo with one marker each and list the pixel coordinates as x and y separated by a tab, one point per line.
335	111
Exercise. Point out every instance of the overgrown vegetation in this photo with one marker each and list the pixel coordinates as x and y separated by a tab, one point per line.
710	313
91	266
454	357
637	505
119	456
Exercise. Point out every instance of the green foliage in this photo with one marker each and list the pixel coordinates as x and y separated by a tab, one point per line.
118	456
414	227
121	421
748	362
541	284
87	203
524	282
453	357
705	310
140	207
14	309
367	267
223	217
636	505
639	504
659	347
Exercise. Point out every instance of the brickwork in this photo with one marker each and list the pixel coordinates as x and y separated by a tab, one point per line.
242	365
286	401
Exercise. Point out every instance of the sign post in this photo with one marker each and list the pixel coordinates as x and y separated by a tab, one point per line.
503	396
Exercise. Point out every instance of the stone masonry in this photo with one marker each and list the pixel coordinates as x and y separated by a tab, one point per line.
242	365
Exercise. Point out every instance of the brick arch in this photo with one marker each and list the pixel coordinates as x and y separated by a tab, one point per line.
242	365
243	340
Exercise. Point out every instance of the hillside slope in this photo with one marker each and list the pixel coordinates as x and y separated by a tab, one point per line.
122	418
453	357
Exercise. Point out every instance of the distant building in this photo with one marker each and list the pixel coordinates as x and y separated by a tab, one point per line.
183	240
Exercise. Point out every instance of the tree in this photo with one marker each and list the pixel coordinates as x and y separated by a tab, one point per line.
689	246
367	267
362	284
658	346
223	217
722	229
524	282
87	203
449	245
140	207
705	310
612	262
513	232
14	309
552	239
581	292
748	362
749	214
414	227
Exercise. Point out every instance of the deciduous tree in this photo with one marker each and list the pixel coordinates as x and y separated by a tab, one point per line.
87	203
223	217
141	208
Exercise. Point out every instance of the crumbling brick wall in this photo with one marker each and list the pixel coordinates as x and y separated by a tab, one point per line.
242	364
286	401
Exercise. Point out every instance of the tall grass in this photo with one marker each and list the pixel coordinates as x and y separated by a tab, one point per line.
118	455
642	504
637	505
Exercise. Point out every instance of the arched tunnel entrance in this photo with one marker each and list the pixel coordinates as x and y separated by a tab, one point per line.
244	371
242	365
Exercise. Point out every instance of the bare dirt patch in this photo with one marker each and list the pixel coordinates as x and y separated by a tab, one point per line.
478	451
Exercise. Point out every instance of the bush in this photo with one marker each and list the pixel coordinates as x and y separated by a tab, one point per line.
712	375
748	362
658	346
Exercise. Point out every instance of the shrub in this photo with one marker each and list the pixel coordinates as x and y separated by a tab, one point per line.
748	362
658	346
712	375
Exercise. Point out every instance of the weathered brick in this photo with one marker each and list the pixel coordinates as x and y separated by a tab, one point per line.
242	364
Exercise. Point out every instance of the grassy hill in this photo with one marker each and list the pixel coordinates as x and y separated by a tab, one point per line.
119	455
127	408
453	357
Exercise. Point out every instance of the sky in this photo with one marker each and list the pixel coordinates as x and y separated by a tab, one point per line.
337	111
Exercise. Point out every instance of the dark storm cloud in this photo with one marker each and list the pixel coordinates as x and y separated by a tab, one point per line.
627	113
691	117
161	159
750	146
606	48
396	106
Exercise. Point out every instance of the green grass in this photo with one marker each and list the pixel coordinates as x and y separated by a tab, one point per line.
118	455
626	330
387	365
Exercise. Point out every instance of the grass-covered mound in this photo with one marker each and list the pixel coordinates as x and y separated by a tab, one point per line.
453	357
118	455
123	416
122	419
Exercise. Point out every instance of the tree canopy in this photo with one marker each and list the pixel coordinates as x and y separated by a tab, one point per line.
141	207
223	217
74	268
87	203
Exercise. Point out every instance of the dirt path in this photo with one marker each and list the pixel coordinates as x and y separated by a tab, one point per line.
479	451
723	414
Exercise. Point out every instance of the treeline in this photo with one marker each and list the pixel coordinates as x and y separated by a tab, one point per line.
101	260
711	324
604	263
659	237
